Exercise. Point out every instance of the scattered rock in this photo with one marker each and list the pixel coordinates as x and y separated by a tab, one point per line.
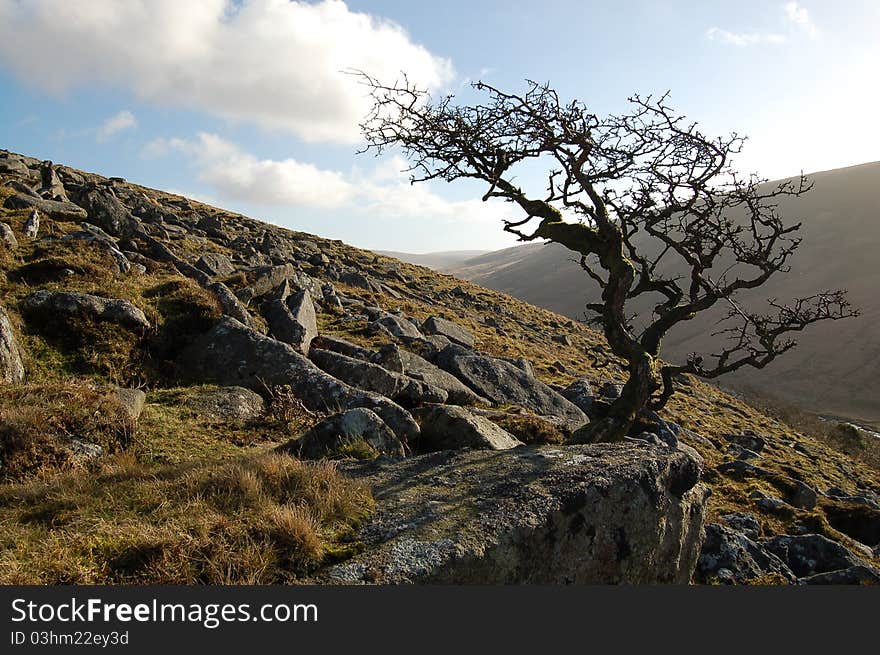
231	305
32	224
396	326
796	493
372	377
233	354
745	523
291	317
11	364
105	210
809	554
445	427
360	281
747	440
580	393
505	383
83	305
394	358
854	575
743	559
455	333
331	436
215	264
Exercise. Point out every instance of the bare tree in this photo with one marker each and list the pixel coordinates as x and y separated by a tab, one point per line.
627	193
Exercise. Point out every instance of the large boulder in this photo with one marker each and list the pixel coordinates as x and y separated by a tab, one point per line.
597	514
11	364
231	353
504	382
214	264
446	427
452	331
372	377
395	325
56	210
52	305
231	305
291	317
395	358
580	393
333	435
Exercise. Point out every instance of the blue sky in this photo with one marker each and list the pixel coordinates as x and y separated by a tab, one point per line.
242	104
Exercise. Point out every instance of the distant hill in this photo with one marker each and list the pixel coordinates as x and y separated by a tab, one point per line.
835	368
439	261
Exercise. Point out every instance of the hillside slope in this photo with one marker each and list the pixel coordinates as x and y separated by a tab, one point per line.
168	368
834	369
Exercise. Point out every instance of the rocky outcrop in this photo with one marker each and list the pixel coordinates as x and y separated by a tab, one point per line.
11	364
447	427
503	382
52	305
106	211
214	264
233	354
346	430
595	514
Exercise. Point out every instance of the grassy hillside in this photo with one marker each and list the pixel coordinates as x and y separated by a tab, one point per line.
151	507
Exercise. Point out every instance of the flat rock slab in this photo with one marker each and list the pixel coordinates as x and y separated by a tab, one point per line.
607	513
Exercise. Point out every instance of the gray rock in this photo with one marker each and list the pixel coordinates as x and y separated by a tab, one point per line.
333	434
809	554
743	558
52	188
233	354
53	305
7	237
11	364
580	393
21	187
132	401
231	305
360	281
599	514
58	211
106	211
235	404
12	164
95	236
32	224
338	345
502	383
745	523
214	264
268	279
394	358
372	377
445	427
291	317
455	333
396	326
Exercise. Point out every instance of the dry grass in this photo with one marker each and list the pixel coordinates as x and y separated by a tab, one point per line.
531	430
259	519
38	422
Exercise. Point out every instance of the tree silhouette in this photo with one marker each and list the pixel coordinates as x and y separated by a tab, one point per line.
627	193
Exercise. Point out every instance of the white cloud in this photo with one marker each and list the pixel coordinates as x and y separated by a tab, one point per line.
797	19
383	193
274	63
800	18
237	175
124	120
743	38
